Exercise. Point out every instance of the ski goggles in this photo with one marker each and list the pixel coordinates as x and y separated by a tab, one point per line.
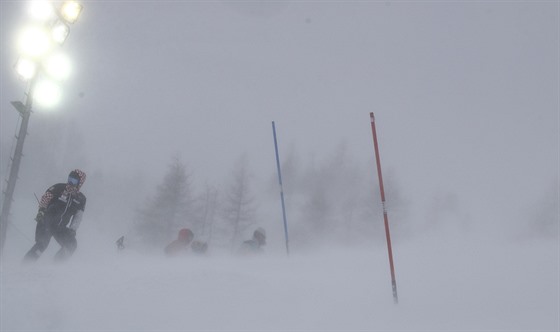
73	181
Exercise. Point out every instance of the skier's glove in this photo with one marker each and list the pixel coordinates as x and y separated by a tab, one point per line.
40	216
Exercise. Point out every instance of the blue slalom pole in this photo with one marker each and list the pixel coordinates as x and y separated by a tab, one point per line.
281	188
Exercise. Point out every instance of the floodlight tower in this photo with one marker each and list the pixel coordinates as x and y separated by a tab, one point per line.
36	44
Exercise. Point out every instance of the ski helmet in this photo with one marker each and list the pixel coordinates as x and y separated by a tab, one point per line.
186	235
77	175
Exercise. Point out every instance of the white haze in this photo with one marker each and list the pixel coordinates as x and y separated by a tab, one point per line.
466	97
445	282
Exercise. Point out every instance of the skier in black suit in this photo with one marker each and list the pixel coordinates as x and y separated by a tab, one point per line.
60	213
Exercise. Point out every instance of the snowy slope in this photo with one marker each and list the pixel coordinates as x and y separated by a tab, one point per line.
444	283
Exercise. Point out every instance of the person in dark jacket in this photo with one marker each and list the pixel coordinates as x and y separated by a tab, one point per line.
255	244
60	213
181	244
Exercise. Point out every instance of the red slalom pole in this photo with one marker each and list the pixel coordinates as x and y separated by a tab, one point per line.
385	217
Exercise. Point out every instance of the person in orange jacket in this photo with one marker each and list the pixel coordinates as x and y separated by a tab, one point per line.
181	244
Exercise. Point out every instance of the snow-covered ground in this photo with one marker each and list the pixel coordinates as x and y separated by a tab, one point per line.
445	282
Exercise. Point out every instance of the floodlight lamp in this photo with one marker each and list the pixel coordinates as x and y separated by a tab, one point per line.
58	66
41	10
59	32
26	68
47	93
34	42
70	11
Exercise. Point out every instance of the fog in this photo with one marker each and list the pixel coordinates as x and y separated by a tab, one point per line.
466	99
462	287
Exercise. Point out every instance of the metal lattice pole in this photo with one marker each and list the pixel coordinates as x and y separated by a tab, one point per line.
25	113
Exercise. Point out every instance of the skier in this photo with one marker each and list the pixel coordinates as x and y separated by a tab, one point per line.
181	244
255	244
59	216
120	243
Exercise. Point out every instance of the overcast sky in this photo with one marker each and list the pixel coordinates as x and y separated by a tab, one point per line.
466	95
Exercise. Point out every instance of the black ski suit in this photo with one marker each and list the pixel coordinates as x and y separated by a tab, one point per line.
63	206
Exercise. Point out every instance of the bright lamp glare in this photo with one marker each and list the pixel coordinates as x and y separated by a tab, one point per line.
41	10
59	32
34	42
47	94
26	68
58	66
70	11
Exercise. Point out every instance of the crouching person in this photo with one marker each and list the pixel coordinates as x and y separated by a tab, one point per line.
255	244
181	244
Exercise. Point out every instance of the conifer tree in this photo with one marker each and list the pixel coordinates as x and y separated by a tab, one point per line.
169	210
239	203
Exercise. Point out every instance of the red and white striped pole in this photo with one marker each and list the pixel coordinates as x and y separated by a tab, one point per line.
385	217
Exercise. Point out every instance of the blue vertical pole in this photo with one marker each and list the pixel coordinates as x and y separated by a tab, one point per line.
281	188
